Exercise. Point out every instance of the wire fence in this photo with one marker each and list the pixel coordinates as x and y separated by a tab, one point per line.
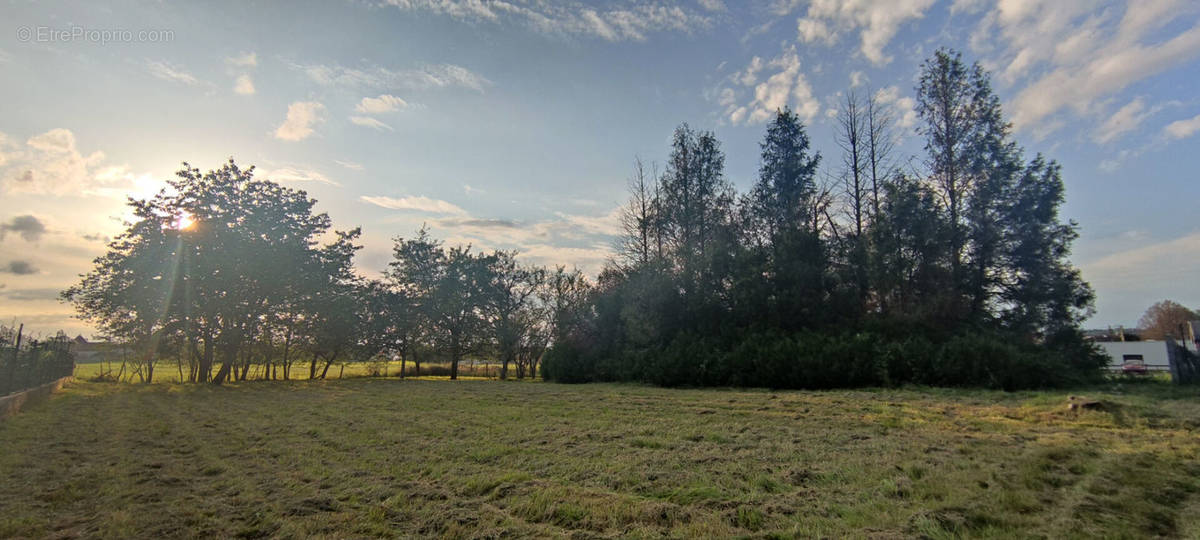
28	362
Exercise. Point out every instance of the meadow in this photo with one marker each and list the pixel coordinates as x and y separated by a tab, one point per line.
371	457
172	372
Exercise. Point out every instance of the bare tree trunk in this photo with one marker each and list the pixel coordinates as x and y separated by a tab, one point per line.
328	363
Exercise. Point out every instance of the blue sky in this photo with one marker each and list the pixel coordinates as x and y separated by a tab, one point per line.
514	124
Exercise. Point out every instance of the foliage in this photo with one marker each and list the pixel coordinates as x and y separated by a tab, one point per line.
26	363
957	275
218	263
1166	318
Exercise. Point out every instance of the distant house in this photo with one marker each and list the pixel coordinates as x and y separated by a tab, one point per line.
1136	356
87	351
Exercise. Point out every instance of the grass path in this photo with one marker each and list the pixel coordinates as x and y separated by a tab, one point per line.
375	457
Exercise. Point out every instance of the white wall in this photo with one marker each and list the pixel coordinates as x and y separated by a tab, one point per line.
1154	353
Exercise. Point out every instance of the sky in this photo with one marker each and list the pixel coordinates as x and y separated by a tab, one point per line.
514	124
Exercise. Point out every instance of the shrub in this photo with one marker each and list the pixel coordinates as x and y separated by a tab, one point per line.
567	363
814	360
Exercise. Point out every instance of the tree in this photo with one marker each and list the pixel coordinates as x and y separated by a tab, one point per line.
853	136
785	206
451	288
512	293
950	98
249	251
565	293
640	241
913	274
955	275
336	308
695	212
1042	293
1165	318
881	141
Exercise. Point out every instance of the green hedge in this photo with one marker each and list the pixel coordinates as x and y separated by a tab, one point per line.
814	360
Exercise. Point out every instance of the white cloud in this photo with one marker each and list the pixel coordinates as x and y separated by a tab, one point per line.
301	117
240	66
367	121
418	204
815	30
583	241
382	104
632	22
713	5
244	85
1182	129
50	163
244	60
857	79
787	87
878	22
1127	281
349	165
427	77
169	72
296	174
903	107
749	76
606	225
1072	56
1126	119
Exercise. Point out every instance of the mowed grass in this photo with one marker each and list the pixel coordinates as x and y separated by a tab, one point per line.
385	457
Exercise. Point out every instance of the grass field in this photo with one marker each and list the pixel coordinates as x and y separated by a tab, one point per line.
169	372
376	457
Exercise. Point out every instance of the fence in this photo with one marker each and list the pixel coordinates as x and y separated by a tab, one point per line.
1185	364
26	363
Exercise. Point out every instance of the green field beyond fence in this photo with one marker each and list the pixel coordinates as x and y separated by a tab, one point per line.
389	458
172	372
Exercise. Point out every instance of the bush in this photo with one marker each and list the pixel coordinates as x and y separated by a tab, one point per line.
813	360
567	363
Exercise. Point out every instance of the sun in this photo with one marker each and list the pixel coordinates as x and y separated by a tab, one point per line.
185	221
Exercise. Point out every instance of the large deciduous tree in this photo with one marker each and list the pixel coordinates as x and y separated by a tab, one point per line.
1166	318
211	259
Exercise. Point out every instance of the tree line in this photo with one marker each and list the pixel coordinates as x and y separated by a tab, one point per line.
224	272
947	269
